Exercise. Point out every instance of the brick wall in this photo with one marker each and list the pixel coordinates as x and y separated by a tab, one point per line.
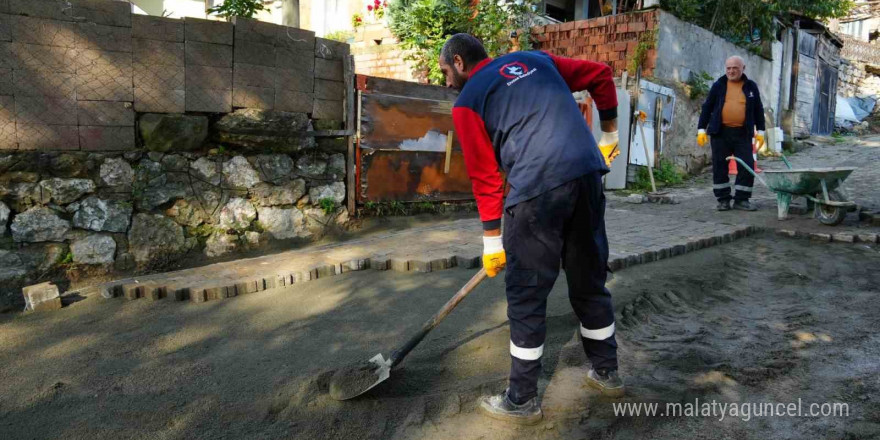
611	40
377	53
73	74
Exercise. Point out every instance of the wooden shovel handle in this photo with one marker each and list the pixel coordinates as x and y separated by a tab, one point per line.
401	352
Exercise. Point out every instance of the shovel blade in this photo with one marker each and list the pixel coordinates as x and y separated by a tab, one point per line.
353	381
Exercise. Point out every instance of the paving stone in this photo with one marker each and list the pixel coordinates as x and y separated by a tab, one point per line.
197	295
820	237
178	293
325	271
786	233
867	238
154	293
378	263
398	265
42	297
467	262
441	264
229	291
157	28
846	238
270	283
419	266
215	293
133	291
208	31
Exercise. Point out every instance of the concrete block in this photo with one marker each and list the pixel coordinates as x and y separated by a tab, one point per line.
155	52
207	54
419	266
157	28
102	37
295	38
42	297
133	291
106	138
289	58
292	101
254	76
253	97
214	293
329	90
867	238
111	291
208	31
44	83
41	8
8	139
34	57
616	264
328	69
46	137
208	100
154	292
355	265
8	57
331	50
398	265
649	256
295	80
43	31
104	87
45	110
7	84
198	295
845	238
325	109
177	293
207	77
634	259
253	30
105	113
112	13
260	54
159	89
5	26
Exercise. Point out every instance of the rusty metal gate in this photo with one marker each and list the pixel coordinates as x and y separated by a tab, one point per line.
406	150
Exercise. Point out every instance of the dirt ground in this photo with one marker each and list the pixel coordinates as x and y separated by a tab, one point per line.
759	320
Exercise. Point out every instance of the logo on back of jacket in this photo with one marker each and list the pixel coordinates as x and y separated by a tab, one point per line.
515	71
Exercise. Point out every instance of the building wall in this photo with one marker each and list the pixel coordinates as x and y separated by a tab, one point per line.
384	59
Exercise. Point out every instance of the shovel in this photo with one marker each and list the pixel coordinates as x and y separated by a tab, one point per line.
352	381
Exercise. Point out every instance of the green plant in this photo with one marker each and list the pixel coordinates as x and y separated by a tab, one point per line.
665	174
357	20
746	22
341	36
423	26
68	258
328	205
698	85
237	8
647	41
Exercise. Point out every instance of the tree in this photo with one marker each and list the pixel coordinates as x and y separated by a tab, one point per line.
422	26
749	21
238	8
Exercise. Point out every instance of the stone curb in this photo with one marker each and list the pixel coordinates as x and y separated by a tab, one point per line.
869	238
219	290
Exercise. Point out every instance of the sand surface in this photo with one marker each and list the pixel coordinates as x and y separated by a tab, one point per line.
759	320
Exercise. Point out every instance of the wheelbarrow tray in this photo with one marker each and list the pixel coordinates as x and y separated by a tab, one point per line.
805	181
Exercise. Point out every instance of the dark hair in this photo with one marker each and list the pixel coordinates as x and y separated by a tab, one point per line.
468	47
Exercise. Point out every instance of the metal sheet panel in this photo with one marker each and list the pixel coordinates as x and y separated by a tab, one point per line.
409	176
390	122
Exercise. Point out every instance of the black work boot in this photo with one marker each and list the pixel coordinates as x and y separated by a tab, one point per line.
606	381
723	205
743	205
502	408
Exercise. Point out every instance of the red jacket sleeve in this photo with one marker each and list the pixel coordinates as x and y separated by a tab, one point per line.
596	78
482	168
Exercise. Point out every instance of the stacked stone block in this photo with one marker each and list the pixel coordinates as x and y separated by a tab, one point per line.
159	72
208	57
612	40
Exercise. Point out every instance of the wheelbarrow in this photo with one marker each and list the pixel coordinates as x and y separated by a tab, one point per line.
820	186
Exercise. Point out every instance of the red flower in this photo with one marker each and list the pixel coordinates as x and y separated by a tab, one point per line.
358	19
377	3
369	7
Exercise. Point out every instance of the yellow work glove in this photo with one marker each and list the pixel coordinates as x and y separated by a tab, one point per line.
608	146
702	138
494	258
759	139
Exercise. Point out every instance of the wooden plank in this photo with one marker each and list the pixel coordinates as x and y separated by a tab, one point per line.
410	176
450	136
385	86
391	122
350	170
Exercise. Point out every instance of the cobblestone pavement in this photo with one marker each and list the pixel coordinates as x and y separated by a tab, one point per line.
696	201
634	240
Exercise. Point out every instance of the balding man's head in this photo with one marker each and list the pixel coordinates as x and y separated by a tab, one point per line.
735	66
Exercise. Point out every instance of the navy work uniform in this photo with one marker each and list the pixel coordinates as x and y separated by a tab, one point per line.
516	113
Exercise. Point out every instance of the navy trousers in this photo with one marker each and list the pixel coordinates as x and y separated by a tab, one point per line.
736	142
564	225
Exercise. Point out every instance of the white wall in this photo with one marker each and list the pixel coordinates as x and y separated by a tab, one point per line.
684	48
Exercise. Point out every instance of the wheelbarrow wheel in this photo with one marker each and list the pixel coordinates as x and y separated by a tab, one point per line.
830	215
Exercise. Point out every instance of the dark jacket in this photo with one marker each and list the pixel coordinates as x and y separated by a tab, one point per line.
710	117
516	113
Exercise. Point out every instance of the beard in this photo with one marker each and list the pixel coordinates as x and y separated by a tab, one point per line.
458	80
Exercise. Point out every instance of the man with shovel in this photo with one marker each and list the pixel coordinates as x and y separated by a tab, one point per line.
516	113
730	115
